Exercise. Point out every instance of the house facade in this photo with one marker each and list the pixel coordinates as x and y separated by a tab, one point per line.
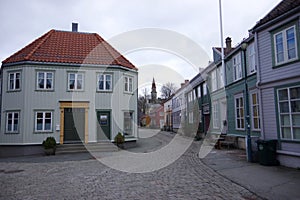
278	77
70	85
241	70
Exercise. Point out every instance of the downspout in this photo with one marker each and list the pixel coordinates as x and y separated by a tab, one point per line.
258	83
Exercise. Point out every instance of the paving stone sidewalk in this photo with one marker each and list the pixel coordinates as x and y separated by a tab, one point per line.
80	176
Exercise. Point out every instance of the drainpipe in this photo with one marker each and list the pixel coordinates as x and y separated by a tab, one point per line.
258	82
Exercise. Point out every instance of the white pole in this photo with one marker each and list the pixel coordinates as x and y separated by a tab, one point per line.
222	40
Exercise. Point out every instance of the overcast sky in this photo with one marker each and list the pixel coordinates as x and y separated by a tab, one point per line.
198	20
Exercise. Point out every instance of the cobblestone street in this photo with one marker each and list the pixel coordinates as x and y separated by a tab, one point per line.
80	176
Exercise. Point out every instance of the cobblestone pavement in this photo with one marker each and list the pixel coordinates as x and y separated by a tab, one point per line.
83	177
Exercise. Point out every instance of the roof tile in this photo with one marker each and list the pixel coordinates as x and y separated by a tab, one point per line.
70	47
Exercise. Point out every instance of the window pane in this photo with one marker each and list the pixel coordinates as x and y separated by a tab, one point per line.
296	119
108	82
286	133
49	84
283	94
72	84
48	115
285	120
39	124
296	132
79	84
291	43
17	84
256	123
284	107
295	106
72	76
295	93
39	115
48	124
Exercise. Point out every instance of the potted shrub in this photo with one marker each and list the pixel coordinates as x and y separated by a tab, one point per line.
49	146
119	140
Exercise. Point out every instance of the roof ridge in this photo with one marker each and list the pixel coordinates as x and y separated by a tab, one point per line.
43	39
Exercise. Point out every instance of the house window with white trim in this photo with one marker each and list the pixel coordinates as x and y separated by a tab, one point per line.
128	84
104	82
239	112
251	58
75	81
12	122
255	111
14	81
204	89
215	110
43	121
199	91
289	112
128	121
285	45
45	80
237	67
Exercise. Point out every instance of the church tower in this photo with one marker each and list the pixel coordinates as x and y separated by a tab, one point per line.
153	92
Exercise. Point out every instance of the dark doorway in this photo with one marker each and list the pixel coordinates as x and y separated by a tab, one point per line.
74	125
103	125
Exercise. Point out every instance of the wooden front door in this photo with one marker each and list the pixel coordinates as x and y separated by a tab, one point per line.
74	125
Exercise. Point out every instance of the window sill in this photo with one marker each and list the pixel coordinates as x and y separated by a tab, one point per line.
43	132
44	90
11	91
75	90
11	133
104	91
285	63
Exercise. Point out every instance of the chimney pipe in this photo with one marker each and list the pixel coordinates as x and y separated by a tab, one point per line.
228	45
74	27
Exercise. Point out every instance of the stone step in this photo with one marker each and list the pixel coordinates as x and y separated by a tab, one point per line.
92	147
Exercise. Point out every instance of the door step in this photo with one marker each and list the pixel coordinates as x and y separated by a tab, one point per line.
84	148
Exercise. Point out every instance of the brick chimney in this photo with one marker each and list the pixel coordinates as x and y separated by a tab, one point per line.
228	45
74	27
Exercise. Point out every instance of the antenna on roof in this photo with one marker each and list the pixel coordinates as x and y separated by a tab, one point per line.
74	27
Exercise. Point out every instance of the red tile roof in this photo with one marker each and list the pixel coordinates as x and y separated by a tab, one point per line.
72	48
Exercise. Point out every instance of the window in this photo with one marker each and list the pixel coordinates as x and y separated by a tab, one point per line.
251	58
215	109
199	91
43	121
45	80
239	113
190	96
12	122
104	82
191	117
75	81
128	120
237	67
213	80
128	84
204	89
289	112
255	111
194	94
220	77
14	81
285	45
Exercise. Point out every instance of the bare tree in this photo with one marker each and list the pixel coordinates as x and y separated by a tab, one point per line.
167	90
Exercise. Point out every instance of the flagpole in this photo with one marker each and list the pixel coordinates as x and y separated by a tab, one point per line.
222	39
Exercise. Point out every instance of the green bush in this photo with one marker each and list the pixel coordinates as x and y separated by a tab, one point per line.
49	143
119	139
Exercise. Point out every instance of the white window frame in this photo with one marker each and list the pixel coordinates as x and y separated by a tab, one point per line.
45	77
215	112
76	81
214	80
128	115
237	108
105	77
13	120
199	91
14	88
251	59
288	114
44	118
255	108
285	46
237	67
204	88
220	77
128	84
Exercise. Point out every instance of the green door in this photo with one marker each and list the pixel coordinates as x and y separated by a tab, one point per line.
103	125
74	125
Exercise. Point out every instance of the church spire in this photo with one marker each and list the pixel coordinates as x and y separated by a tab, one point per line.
153	92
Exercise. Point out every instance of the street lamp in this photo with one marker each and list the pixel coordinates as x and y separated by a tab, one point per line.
244	46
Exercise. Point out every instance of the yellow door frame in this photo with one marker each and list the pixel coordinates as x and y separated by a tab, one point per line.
73	104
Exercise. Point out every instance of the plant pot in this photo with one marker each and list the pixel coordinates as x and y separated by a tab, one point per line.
50	151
